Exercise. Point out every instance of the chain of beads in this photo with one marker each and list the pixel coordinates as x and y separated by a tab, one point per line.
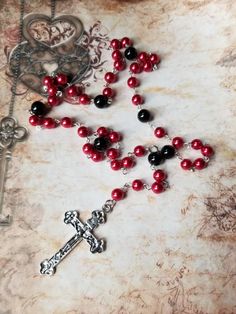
159	185
58	87
142	61
100	143
178	143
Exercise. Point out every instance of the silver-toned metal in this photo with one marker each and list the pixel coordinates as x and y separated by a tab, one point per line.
10	132
48	266
83	231
126	186
206	159
152	126
118	145
16	70
124	171
166	184
153	167
39	128
59	93
108	206
177	154
187	145
45	89
167	136
51	44
155	67
147	186
77	123
131	154
57	121
53	8
153	149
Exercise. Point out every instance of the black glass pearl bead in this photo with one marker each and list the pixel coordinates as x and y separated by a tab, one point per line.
130	53
155	158
144	115
168	151
101	101
101	143
38	108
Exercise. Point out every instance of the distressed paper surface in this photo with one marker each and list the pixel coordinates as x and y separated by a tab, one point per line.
170	253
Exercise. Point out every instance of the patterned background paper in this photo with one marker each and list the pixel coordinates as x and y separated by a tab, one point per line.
168	253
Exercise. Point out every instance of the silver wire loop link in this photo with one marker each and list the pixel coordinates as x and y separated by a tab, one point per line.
108	206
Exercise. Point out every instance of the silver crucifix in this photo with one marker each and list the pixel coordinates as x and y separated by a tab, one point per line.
83	231
10	133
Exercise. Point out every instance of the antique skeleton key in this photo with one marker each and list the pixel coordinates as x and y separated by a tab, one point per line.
10	133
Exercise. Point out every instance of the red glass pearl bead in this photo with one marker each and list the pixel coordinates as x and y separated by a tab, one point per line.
207	151
143	56
72	91
48	81
53	100
133	82
110	77
113	153
97	156
159	175
116	164
117	194
199	164
102	131
147	67
84	99
157	187
159	132
61	79
139	151
35	120
137	100
119	65
196	144
137	185
135	68
116	55
52	90
154	58
109	92
125	42
186	164
83	131
177	142
66	122
127	162
114	137
87	148
49	123
115	43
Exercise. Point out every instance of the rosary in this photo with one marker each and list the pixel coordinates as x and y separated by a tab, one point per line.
102	144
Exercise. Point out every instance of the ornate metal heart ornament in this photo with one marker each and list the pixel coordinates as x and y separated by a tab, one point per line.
51	45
